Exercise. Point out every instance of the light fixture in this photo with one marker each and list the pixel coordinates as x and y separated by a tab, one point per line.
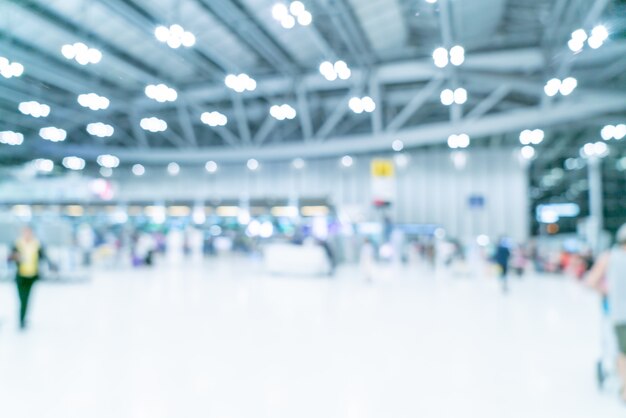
10	69
527	152
214	119
599	35
108	161
431	1
53	134
93	101
613	132
34	109
594	150
401	160
81	53
362	104
161	93
347	161
43	165
298	163
535	137
173	169
175	36
456	56
106	171
288	16
138	170
99	129
153	124
397	145
458	96
211	167
565	87
252	164
458	141
282	112
240	82
11	138
74	163
332	72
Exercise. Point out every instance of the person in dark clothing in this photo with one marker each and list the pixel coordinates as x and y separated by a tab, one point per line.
501	258
27	253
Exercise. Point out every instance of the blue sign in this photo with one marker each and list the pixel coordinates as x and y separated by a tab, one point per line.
476	201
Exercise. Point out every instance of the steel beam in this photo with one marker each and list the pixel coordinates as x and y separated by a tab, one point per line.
567	111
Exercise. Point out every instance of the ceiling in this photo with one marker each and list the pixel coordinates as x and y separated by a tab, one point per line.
512	48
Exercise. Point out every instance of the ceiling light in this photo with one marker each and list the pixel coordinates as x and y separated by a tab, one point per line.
565	87
401	160
81	53
138	170
99	129
397	145
161	93
214	119
527	152
594	150
298	163
173	169
568	86
53	134
332	71
93	101
460	96
362	104
447	97
175	36
108	161
279	11
252	164
10	69
43	165
458	141
456	56
211	166
600	32
34	109
579	35
153	124
305	18
240	83
431	1
535	137
11	138
288	16
282	112
73	163
347	161
613	132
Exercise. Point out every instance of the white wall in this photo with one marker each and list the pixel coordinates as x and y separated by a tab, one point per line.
429	190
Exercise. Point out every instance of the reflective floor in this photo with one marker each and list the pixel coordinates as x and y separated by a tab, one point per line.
223	340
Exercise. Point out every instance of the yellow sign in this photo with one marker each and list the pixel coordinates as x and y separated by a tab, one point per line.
382	168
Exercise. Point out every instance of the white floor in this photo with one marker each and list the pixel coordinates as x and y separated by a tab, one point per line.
225	341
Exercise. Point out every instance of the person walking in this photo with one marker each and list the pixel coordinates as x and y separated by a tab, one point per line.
608	277
501	258
27	253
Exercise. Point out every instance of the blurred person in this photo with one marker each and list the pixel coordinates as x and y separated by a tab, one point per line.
366	260
519	261
27	253
330	255
501	258
608	276
86	240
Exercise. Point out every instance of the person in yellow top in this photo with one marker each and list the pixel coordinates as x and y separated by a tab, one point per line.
27	253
